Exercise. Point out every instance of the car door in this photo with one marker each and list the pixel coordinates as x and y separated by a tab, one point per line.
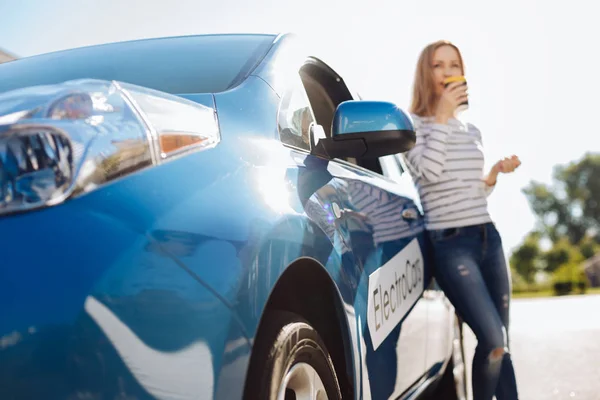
378	229
440	312
385	224
385	229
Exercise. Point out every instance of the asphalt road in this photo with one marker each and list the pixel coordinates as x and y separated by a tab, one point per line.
555	345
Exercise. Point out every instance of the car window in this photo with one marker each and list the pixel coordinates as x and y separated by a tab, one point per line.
176	65
295	116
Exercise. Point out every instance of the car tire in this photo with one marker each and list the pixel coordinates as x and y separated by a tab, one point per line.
289	361
453	384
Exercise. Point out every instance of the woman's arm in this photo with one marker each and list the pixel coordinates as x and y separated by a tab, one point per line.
489	181
505	166
428	156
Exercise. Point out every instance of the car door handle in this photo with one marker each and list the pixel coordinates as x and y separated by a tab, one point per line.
410	214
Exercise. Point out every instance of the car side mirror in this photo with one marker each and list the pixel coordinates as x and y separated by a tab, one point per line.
367	129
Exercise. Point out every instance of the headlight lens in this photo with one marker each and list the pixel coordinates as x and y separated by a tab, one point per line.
61	140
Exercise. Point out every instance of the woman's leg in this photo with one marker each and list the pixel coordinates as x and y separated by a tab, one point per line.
457	263
497	278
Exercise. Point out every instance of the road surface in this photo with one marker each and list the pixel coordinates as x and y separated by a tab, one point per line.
555	345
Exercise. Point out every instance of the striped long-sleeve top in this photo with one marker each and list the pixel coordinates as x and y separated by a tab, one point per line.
446	164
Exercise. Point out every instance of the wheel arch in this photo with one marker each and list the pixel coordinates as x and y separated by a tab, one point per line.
306	288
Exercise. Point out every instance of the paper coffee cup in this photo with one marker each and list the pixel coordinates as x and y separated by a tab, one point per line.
464	105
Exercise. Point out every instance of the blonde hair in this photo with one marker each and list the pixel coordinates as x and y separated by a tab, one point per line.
424	98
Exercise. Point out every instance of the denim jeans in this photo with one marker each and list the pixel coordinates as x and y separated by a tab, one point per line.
471	269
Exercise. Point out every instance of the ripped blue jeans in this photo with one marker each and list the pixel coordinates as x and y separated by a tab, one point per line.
471	269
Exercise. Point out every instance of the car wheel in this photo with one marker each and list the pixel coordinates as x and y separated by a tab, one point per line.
453	384
290	361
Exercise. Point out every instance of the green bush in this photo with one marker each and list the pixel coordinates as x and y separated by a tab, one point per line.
523	287
569	278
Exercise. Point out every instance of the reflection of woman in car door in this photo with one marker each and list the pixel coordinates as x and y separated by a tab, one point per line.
447	166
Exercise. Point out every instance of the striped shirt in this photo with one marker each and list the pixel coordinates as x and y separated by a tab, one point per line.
446	164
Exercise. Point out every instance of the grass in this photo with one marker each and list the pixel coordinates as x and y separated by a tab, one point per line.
532	294
547	293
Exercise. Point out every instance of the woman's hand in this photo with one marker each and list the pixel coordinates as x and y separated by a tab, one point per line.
504	166
451	98
508	164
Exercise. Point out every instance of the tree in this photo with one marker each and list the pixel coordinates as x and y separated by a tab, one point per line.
561	253
570	207
589	247
568	213
525	259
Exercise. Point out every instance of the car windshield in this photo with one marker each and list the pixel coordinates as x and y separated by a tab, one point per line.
176	65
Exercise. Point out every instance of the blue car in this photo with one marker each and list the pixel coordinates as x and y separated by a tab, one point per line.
212	217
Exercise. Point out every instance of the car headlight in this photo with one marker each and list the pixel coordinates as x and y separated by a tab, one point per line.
62	140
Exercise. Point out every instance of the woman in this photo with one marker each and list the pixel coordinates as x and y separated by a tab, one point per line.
447	166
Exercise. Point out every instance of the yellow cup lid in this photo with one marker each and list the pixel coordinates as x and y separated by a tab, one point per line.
455	79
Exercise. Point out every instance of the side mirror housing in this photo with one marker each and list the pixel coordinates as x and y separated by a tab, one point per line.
368	129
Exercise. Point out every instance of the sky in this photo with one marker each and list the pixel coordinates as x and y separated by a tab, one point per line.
530	64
